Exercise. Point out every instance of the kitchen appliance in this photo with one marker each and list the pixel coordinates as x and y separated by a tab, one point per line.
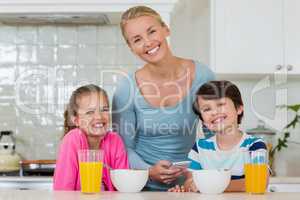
37	167
9	159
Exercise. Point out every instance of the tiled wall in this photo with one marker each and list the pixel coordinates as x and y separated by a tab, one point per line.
41	65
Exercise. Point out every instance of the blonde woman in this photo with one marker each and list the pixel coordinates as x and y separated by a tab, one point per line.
152	107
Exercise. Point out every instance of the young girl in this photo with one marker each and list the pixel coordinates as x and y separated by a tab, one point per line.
220	107
86	127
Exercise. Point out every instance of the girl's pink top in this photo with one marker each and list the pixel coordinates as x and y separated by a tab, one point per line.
66	175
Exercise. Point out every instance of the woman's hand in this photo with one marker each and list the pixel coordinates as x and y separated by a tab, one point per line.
163	172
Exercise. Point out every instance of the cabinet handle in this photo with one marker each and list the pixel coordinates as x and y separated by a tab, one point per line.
273	189
278	67
289	67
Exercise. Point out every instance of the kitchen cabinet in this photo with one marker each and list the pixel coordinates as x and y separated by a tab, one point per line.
284	184
255	36
277	187
26	183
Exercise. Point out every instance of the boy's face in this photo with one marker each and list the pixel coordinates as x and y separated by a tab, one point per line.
219	115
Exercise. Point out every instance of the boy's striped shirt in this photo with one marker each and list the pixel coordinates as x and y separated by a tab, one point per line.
205	154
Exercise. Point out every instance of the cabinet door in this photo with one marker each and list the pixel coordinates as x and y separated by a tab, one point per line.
292	35
247	36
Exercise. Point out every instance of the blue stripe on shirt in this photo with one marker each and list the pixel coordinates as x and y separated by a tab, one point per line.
237	177
257	145
195	147
249	141
195	165
204	144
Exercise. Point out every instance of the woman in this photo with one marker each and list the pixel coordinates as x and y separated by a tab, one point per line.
152	108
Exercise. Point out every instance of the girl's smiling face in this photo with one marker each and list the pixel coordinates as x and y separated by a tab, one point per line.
93	114
146	37
219	115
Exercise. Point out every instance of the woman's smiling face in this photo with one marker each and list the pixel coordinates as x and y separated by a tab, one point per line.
219	115
146	37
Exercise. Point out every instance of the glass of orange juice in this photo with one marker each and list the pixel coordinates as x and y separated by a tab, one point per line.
256	171
90	169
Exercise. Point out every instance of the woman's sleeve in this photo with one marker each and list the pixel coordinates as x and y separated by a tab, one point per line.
124	120
66	169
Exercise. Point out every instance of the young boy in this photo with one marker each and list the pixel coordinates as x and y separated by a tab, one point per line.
220	107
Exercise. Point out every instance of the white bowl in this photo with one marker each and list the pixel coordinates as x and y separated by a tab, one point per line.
211	181
129	180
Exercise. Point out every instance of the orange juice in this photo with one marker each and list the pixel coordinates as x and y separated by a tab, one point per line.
256	178
90	176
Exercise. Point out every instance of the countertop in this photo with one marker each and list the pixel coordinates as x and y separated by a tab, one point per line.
49	195
273	180
276	184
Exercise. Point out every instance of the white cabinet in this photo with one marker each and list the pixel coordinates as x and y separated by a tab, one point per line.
255	36
283	187
26	183
292	32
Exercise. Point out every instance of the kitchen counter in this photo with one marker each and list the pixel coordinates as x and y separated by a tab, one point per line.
282	179
48	195
276	184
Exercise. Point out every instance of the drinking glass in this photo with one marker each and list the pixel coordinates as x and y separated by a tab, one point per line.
90	169
256	171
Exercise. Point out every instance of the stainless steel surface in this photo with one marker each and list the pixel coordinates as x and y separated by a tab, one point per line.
57	18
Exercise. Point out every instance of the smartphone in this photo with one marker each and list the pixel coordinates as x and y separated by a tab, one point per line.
183	164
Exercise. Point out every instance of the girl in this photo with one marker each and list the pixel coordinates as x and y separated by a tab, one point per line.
86	127
220	108
151	106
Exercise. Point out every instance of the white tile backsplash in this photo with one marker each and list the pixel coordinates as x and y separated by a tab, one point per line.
41	65
67	35
8	34
27	35
47	35
39	68
87	35
27	54
107	35
67	54
47	54
104	54
8	53
7	74
87	55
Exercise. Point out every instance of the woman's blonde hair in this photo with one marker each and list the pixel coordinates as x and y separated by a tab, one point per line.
138	11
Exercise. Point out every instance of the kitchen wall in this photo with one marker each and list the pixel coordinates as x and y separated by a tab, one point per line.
261	94
41	65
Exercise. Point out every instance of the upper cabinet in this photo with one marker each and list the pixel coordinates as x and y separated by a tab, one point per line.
255	36
292	32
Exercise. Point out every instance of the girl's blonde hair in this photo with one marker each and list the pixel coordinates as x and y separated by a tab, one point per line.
138	11
72	107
